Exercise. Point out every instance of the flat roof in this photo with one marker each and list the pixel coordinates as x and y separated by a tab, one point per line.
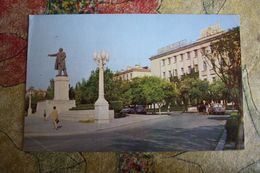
198	42
133	70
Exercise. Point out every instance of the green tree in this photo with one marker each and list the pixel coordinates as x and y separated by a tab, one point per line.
170	93
50	90
218	91
152	90
225	57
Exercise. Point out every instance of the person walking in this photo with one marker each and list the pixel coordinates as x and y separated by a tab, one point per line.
55	117
44	115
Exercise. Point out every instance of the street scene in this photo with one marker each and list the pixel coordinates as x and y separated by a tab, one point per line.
134	86
148	133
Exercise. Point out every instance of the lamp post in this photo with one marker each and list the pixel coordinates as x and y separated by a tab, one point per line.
101	105
29	112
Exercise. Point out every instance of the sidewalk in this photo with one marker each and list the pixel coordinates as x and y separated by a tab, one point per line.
37	126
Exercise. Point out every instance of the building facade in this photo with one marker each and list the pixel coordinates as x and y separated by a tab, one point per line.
132	72
182	57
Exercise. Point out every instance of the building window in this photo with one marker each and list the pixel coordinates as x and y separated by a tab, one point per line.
175	72
175	59
188	55
164	76
214	79
204	66
181	57
169	61
196	53
170	73
182	71
163	62
131	75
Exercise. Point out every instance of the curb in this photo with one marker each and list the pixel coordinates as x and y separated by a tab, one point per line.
221	143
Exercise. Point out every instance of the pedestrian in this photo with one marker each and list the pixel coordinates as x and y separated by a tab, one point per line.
55	117
44	115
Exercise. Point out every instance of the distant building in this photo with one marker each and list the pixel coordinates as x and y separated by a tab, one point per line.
132	72
182	57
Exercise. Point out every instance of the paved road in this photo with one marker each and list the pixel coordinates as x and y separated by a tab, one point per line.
175	133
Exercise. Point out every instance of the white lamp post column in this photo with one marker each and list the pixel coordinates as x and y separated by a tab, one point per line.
101	105
29	112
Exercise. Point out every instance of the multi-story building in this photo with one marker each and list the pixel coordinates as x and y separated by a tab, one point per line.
180	58
132	72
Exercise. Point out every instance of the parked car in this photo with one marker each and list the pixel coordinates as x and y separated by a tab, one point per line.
216	108
128	110
140	109
137	109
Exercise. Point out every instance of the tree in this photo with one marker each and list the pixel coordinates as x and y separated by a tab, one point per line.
152	90
86	91
218	91
50	90
225	58
170	92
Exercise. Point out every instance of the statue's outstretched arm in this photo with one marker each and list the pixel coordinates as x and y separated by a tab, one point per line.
55	54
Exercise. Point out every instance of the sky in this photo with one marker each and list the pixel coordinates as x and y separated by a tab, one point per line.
130	39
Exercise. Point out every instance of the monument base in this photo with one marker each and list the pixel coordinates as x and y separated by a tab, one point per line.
102	111
61	88
47	105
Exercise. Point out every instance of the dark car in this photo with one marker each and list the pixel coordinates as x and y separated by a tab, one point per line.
128	110
217	108
137	109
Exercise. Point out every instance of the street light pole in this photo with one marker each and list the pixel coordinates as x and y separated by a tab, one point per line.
29	112
101	105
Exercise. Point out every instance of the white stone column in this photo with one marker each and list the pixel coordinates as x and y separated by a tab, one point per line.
101	105
29	112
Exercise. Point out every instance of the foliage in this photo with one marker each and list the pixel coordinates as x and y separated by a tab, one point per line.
71	93
232	128
116	105
218	91
35	99
84	107
86	91
225	57
50	90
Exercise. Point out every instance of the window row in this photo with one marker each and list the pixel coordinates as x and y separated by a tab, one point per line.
174	72
169	59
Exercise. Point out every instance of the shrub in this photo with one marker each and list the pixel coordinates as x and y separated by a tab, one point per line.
119	115
232	127
84	107
116	105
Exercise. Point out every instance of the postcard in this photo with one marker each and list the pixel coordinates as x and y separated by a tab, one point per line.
134	82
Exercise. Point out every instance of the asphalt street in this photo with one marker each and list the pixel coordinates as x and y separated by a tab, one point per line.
182	132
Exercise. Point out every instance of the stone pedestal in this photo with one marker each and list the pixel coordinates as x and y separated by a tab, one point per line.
61	88
102	111
61	98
